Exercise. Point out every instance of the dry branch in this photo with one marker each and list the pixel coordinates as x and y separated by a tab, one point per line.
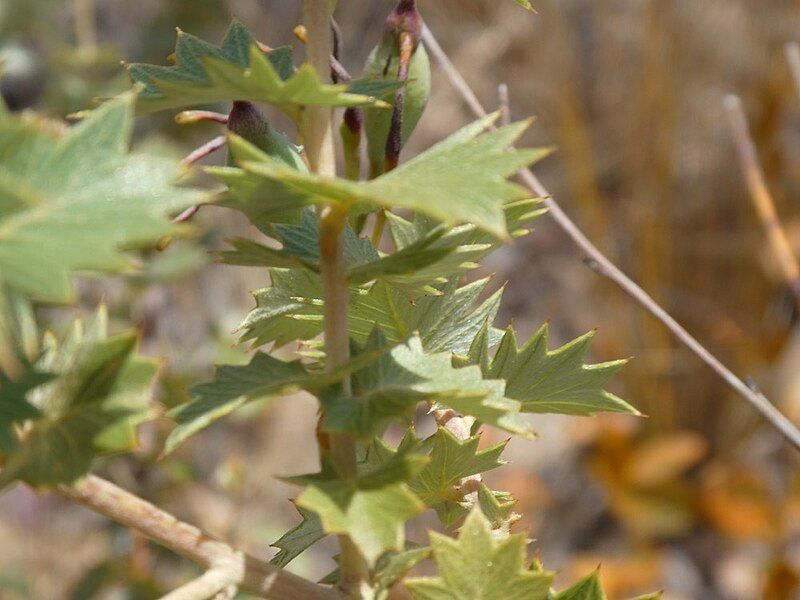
760	195
252	575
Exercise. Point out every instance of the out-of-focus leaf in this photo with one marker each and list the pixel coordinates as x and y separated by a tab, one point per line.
239	70
14	406
73	202
99	394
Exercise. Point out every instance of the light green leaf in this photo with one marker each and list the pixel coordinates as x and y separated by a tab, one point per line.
100	392
459	180
298	539
497	506
372	511
71	203
480	566
239	70
391	386
526	4
554	381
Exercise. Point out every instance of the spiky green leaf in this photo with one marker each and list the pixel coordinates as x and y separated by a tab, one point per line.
373	510
298	539
391	386
480	565
451	460
292	307
239	70
555	381
459	180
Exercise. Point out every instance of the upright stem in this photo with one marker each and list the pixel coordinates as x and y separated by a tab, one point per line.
317	125
318	140
85	26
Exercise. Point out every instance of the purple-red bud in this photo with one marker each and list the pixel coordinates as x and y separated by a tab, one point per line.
404	18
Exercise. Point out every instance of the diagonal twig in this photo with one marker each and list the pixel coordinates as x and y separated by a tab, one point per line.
222	561
760	195
598	262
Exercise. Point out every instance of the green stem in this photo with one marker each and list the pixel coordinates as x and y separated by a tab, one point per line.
318	140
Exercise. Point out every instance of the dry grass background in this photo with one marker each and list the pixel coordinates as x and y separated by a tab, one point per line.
630	93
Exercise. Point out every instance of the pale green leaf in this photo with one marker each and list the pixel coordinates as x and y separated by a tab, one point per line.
480	566
372	511
459	180
71	203
292	308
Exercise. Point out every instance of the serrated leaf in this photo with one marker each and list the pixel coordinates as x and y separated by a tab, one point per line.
451	460
459	180
300	248
556	381
230	389
235	385
239	70
71	203
479	566
588	588
372	511
497	506
292	308
393	567
99	394
391	386
298	539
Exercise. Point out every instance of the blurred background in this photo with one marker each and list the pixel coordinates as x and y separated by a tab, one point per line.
700	498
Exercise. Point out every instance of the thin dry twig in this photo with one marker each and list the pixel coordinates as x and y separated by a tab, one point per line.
598	262
760	195
214	583
248	573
